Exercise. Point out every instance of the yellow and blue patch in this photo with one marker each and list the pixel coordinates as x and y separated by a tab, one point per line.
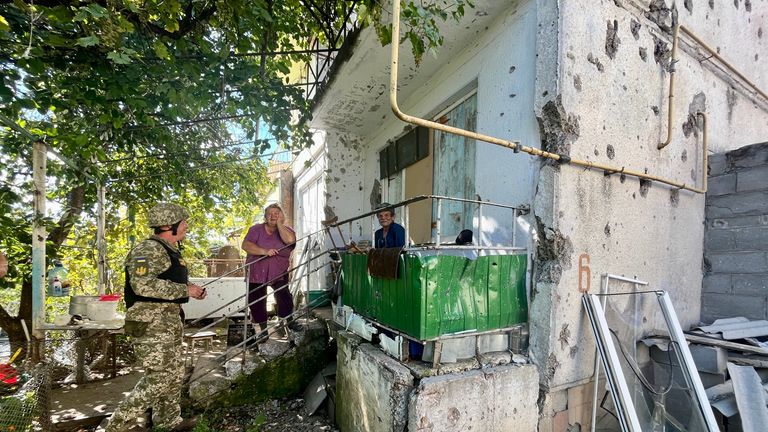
140	266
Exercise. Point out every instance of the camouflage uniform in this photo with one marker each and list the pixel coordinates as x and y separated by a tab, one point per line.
154	323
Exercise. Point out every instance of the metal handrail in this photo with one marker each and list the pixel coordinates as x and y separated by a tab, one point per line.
517	211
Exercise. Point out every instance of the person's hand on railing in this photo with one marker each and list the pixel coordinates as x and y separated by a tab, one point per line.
196	291
352	247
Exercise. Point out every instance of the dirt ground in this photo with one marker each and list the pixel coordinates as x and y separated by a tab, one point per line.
271	416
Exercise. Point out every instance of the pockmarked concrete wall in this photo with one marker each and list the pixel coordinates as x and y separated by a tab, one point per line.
376	393
736	247
372	388
497	61
496	399
345	182
607	103
600	75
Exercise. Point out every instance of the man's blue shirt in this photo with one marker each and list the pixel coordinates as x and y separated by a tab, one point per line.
395	236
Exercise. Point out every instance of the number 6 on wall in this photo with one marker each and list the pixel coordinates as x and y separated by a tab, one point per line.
585	275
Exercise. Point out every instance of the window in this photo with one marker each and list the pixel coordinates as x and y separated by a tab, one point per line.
404	152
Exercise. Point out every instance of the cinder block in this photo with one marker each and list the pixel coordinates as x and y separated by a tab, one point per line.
721	185
717	283
580	405
492	343
710	380
753	284
740	204
717	164
737	222
714	306
560	422
720	240
372	389
738	262
748	156
752	179
481	399
709	359
751	239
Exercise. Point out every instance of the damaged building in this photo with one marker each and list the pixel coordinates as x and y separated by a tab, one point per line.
606	114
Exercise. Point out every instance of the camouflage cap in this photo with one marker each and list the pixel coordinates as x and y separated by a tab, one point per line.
166	214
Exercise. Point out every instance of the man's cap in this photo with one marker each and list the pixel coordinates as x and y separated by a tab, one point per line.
385	206
164	214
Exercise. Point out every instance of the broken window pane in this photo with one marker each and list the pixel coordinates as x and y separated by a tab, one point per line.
646	352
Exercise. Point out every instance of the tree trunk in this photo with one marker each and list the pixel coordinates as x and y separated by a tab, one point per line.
12	324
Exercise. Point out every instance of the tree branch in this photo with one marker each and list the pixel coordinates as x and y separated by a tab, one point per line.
75	200
186	25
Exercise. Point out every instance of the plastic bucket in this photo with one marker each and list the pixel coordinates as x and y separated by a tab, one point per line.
318	298
78	304
102	310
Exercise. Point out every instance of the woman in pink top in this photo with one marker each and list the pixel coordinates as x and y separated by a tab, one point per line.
269	246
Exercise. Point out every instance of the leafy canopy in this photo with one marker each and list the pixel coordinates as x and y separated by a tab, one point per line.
162	100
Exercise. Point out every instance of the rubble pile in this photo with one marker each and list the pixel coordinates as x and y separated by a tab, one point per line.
731	356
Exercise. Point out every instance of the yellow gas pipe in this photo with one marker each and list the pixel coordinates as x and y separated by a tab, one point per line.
516	146
673	61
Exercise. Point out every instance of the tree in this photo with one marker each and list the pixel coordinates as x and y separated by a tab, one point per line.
159	100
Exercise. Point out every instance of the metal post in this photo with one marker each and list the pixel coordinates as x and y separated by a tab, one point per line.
437	224
514	227
406	221
308	272
38	239
479	224
101	245
247	315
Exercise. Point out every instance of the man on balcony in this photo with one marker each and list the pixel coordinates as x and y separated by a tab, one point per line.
391	234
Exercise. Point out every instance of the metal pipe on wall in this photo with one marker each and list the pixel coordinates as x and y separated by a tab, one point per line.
672	70
514	145
670	107
725	63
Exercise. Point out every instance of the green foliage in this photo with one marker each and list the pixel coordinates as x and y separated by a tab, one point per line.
158	100
419	22
256	424
17	412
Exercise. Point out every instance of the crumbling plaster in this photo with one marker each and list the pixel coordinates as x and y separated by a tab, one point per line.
598	93
501	61
626	226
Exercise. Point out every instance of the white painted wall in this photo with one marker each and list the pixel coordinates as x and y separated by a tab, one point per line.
657	237
308	199
502	61
308	167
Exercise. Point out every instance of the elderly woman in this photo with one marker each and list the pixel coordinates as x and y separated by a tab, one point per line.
269	246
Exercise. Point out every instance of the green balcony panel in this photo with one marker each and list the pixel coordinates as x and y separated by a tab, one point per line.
440	294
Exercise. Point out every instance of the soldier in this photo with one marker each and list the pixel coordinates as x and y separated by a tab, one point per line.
156	284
